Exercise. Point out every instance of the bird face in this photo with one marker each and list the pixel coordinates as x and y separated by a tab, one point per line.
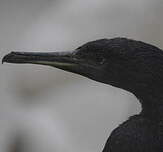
105	61
121	62
102	60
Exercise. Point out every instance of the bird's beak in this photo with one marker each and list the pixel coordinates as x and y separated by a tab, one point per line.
61	60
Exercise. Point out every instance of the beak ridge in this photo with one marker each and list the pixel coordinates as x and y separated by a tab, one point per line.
61	60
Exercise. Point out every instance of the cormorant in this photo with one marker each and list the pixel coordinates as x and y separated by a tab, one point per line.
125	63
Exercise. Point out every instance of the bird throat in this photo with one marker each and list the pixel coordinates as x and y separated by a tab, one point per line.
152	110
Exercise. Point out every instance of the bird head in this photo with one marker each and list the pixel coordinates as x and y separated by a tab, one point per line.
128	64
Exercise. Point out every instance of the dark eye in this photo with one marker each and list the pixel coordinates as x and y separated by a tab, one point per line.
98	59
102	61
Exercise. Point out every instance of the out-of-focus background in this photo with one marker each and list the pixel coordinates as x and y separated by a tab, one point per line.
46	109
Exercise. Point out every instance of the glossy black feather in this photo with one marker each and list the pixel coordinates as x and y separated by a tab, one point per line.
137	67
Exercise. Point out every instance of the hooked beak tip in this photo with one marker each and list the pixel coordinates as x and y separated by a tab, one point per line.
9	57
13	57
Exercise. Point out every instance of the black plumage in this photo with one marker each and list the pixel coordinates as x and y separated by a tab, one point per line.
124	63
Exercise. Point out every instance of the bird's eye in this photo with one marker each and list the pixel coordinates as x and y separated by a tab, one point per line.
102	61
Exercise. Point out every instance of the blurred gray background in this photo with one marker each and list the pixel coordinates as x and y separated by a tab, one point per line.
46	109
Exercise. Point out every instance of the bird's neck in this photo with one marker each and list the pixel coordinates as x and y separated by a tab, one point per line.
151	101
153	110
